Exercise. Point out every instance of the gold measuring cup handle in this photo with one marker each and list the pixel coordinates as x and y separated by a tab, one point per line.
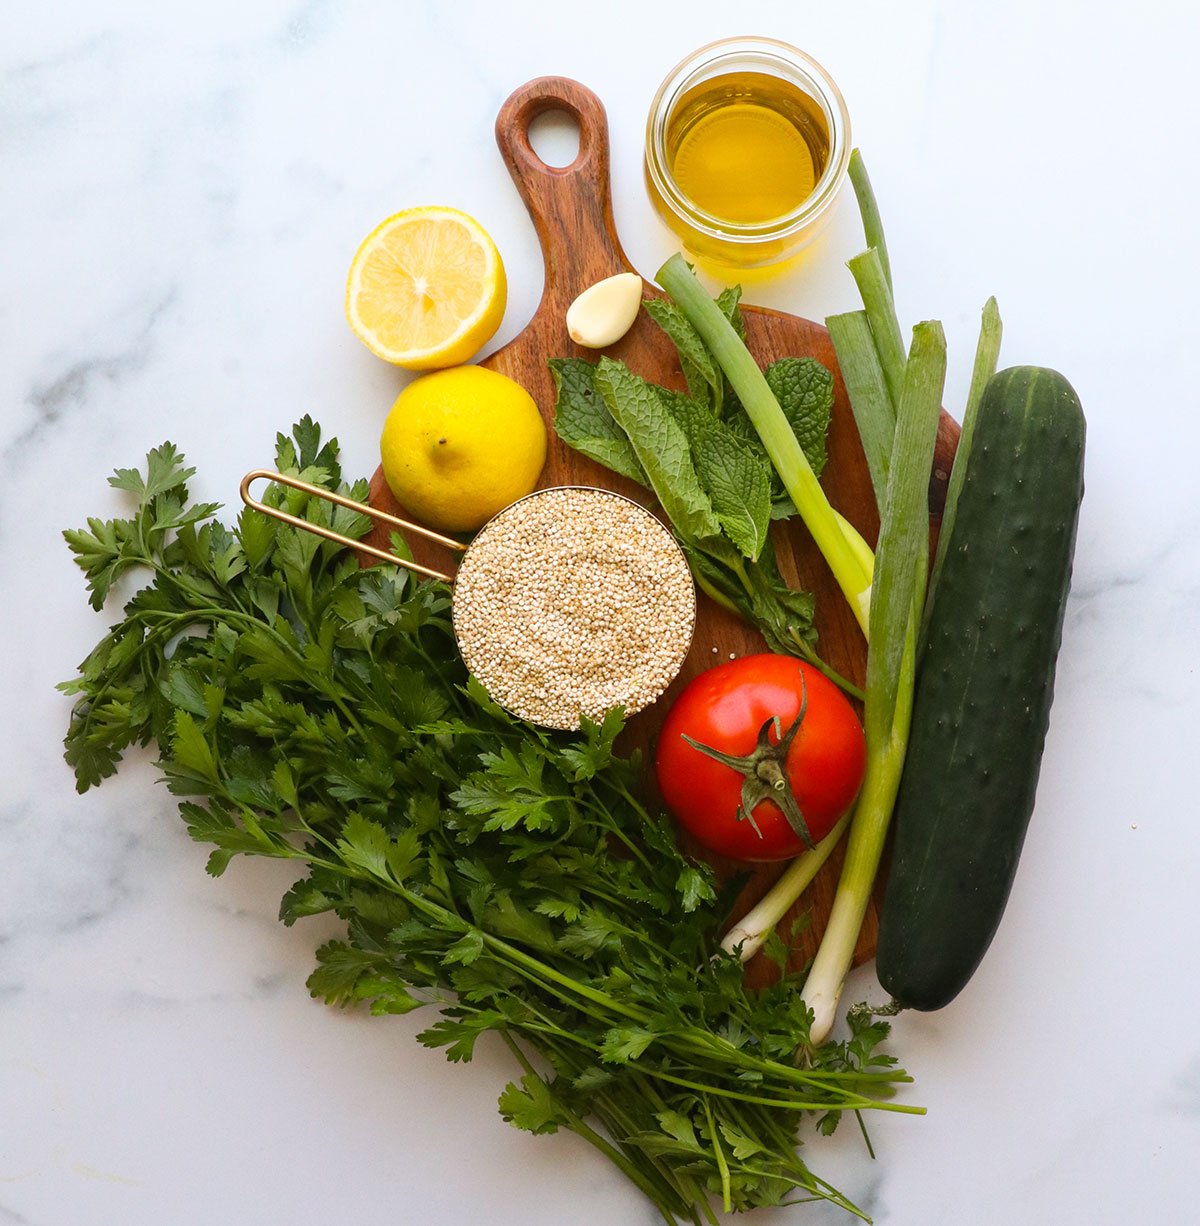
320	530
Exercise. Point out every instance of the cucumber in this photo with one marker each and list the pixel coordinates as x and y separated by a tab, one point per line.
983	696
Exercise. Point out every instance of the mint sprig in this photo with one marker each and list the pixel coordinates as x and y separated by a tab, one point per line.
702	457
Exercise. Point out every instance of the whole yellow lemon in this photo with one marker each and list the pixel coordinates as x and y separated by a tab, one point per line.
460	445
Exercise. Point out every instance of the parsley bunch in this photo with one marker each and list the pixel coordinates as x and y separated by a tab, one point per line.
506	876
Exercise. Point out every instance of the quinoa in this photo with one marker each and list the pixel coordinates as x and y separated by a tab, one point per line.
572	601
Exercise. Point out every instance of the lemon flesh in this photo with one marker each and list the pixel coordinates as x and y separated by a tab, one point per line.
426	289
460	445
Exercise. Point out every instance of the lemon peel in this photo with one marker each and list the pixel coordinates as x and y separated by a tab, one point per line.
426	288
459	445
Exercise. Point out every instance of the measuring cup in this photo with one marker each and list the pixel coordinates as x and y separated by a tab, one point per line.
561	614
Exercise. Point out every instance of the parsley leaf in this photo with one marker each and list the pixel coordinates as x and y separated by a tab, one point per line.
513	879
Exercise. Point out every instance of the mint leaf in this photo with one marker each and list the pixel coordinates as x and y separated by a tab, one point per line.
735	476
804	389
740	488
661	447
582	419
783	615
705	379
729	300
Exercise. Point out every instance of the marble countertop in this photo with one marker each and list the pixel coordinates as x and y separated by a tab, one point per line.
181	197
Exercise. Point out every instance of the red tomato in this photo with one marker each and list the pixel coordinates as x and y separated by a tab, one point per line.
726	709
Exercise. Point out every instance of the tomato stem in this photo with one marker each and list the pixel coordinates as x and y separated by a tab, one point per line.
765	771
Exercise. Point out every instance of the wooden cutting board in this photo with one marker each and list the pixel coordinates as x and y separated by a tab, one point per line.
571	208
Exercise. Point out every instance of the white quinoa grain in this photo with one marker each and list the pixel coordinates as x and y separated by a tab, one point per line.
572	601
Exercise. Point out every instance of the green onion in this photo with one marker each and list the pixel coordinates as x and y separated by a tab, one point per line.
872	223
854	539
987	354
785	452
900	568
869	276
749	934
902	555
896	401
874	410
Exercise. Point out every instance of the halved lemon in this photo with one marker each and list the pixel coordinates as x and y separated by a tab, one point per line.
426	289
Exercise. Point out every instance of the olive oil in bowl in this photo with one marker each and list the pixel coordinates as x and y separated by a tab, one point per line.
746	147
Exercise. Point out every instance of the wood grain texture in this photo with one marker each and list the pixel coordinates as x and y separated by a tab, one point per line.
571	209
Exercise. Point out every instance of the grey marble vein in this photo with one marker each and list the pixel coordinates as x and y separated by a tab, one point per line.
69	388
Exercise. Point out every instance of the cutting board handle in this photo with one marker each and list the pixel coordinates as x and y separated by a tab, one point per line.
571	206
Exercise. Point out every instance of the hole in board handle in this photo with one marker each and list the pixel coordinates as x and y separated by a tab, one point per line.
554	135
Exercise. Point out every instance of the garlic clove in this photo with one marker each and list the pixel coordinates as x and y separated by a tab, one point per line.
604	312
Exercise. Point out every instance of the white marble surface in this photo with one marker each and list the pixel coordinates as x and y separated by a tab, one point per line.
182	190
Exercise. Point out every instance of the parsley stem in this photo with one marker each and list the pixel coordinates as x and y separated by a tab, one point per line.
319	713
719	1153
694	1191
615	830
805	651
700	1043
678	1192
581	1128
853	1101
818	1187
527	962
